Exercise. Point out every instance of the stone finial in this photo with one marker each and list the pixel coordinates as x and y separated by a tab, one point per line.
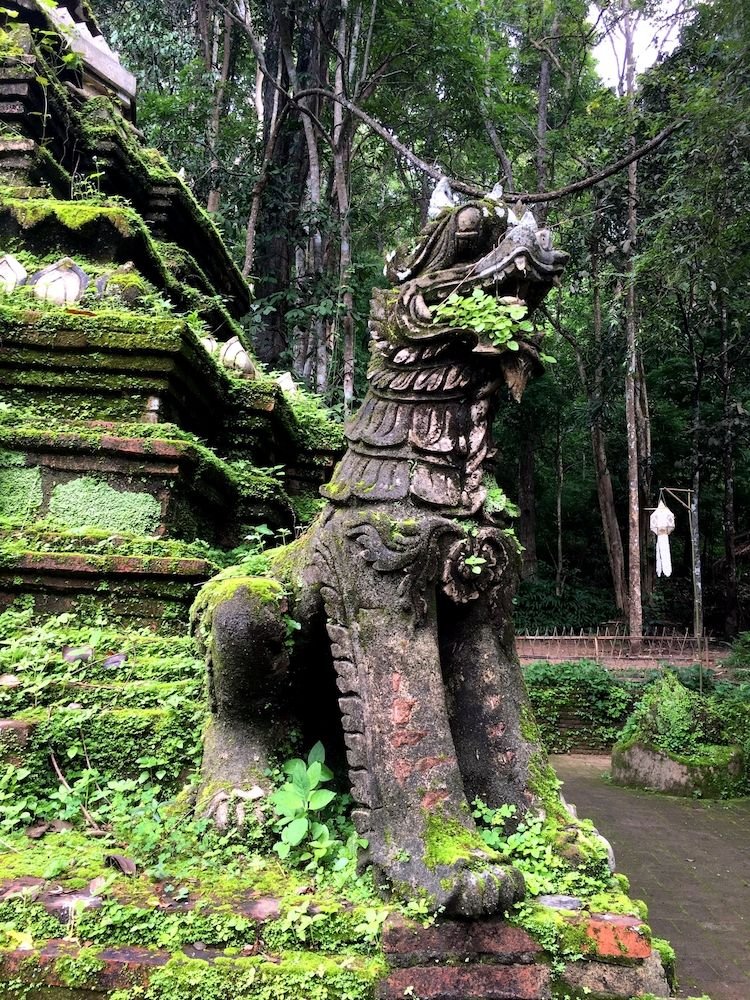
234	356
496	194
61	283
12	273
286	383
442	198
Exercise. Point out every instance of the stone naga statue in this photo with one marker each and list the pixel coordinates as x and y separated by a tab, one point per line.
414	579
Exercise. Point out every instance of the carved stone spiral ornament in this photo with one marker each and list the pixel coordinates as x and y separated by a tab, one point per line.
474	565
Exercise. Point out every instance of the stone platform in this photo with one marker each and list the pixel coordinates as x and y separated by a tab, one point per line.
493	960
140	588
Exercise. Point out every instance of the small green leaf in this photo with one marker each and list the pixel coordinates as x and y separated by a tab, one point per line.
296	831
321	798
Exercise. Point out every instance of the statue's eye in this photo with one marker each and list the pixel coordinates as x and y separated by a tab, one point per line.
544	239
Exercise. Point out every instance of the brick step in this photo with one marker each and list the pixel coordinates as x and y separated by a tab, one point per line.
110	740
137	588
62	902
473	982
29	693
47	968
494	940
148	658
183	485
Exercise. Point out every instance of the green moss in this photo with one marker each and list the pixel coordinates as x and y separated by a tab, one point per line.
617	902
115	740
70	214
668	959
20	490
447	841
563	938
79	971
299	974
306	507
223	588
93	502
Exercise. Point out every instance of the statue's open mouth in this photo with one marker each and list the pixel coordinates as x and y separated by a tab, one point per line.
522	265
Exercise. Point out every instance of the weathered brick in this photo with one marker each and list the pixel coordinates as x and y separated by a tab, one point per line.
14	738
407	943
474	982
618	937
604	979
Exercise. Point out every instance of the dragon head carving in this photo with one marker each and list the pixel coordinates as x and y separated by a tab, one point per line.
481	244
424	431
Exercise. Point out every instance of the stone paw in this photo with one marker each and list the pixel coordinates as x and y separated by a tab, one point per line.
484	892
232	808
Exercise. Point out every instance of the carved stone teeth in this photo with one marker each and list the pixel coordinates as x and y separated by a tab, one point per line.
421	310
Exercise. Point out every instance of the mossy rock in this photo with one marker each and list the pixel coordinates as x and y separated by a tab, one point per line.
716	773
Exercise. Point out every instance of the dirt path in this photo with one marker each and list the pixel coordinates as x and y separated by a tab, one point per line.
690	861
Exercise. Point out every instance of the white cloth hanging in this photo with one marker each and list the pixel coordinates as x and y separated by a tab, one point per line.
662	525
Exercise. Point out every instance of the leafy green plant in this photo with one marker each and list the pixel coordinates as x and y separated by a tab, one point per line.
584	691
673	719
299	803
533	846
502	320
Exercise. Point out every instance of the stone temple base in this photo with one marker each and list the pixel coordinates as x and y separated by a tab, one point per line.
450	960
718	777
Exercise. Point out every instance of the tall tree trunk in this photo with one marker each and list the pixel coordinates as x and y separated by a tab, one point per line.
217	107
595	392
635	608
696	462
559	481
543	172
527	498
341	158
731	599
643	426
527	442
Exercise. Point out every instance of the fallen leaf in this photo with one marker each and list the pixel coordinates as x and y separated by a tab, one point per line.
9	680
115	660
72	654
126	865
37	830
60	826
97	884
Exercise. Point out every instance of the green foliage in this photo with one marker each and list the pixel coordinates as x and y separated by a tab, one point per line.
739	656
538	607
314	977
537	846
502	320
673	719
92	502
731	706
586	691
315	426
20	489
309	817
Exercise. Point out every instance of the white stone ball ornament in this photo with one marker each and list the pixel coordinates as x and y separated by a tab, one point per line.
62	283
12	273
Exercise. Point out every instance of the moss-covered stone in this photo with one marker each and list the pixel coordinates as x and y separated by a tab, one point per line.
20	490
91	502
